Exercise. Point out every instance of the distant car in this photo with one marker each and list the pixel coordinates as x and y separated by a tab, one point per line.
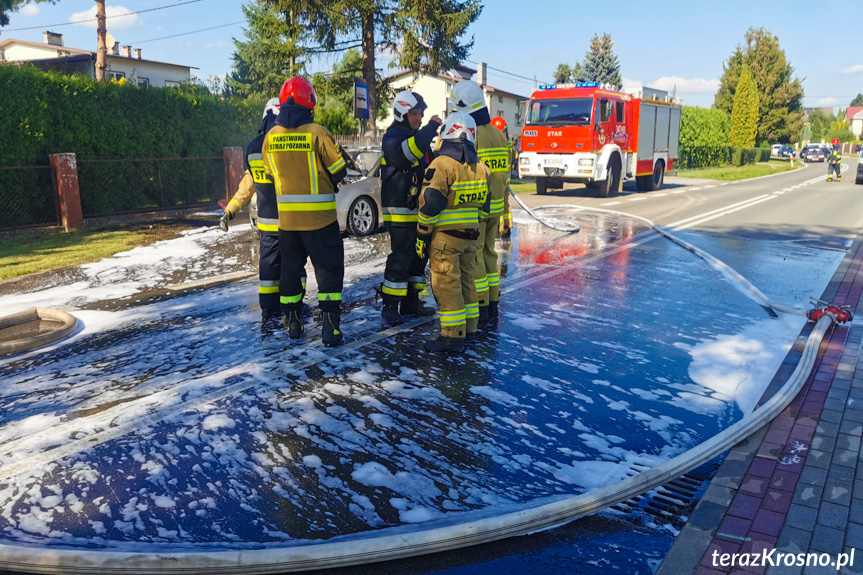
786	152
859	179
815	154
358	202
775	149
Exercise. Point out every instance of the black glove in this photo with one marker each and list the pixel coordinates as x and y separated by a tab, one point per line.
223	221
423	241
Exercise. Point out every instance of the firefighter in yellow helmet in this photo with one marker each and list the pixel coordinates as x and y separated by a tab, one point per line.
492	148
306	165
505	228
453	204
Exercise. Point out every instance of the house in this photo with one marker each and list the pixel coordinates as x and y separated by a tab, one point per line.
854	115
434	88
53	55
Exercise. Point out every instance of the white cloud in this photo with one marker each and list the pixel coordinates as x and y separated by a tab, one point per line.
631	86
686	85
858	69
29	10
824	102
117	18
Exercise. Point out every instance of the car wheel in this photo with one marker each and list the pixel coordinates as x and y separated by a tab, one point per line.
362	217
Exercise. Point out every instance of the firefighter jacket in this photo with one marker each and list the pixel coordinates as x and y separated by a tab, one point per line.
835	157
493	149
306	164
402	171
256	180
455	195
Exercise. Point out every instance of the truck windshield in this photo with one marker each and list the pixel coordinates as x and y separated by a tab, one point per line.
570	111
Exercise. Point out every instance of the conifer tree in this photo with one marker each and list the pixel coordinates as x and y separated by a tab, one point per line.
744	113
601	63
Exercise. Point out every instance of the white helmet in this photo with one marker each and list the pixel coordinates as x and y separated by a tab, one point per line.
272	106
406	101
467	96
459	126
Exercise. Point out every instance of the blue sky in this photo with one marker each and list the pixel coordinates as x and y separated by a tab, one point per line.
660	44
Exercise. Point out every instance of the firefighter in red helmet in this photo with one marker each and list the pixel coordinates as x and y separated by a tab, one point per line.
306	165
505	228
834	162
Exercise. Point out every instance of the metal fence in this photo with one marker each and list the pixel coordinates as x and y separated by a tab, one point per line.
27	197
121	186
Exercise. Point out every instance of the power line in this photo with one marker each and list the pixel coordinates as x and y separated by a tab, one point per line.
106	17
510	73
187	33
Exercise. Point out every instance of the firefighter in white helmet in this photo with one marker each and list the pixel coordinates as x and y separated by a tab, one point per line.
453	204
492	148
405	146
256	182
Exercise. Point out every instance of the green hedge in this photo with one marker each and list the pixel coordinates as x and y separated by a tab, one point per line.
711	156
48	112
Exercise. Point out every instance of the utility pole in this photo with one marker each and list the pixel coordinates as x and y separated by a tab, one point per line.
101	48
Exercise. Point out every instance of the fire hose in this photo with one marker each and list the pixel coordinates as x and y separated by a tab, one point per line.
566	228
463	529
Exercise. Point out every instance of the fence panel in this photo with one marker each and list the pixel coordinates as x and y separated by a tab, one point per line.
117	186
27	197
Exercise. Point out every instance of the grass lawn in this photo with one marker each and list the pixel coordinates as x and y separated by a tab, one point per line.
519	186
731	173
25	255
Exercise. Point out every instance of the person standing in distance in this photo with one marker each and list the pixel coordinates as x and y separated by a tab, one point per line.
404	147
834	161
453	203
306	166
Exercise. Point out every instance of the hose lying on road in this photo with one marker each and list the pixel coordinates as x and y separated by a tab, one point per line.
459	531
567	228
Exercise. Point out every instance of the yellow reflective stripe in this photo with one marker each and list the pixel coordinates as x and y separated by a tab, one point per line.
400	218
235	203
337	166
307	207
286	299
270	289
468	184
449	318
329	296
496	206
395	291
313	173
460	216
493	280
481	284
427	220
471	310
412	143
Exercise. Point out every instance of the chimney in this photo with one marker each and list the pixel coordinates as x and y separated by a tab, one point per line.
115	49
138	53
127	51
481	73
53	38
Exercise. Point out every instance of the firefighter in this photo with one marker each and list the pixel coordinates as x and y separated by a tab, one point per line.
492	149
453	203
306	165
404	148
256	181
834	162
505	228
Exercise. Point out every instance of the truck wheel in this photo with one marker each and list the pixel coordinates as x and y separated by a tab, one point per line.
612	179
639	183
592	185
541	186
654	182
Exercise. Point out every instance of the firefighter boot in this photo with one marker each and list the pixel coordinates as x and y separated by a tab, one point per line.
483	314
838	177
331	334
413	306
493	313
445	344
294	323
829	178
390	314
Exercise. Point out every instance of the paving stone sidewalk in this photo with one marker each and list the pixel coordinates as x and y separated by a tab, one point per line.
796	486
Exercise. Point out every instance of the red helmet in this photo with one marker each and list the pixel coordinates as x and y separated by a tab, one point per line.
499	123
298	91
835	141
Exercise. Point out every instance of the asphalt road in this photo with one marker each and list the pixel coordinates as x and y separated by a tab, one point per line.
789	206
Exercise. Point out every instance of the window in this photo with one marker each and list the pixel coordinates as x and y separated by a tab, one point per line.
500	99
619	109
143	82
500	113
115	75
2	54
605	110
170	84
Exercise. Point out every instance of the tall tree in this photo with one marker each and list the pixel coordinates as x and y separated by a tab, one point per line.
272	52
422	34
565	74
744	112
820	124
601	63
858	101
780	115
7	6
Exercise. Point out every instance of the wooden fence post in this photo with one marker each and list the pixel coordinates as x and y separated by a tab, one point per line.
233	170
64	178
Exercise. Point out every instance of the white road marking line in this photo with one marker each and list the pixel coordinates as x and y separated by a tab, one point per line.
637	199
610	203
685	220
713	217
710	186
655	195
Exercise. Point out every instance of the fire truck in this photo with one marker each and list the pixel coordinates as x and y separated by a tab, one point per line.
587	133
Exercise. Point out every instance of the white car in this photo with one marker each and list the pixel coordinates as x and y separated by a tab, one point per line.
358	202
859	179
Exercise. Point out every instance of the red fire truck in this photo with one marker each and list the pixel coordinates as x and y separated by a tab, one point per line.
586	133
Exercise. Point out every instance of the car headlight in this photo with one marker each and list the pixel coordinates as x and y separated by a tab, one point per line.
524	161
585	162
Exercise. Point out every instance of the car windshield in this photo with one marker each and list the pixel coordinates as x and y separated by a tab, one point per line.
570	111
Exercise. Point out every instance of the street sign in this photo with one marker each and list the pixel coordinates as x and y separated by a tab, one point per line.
361	99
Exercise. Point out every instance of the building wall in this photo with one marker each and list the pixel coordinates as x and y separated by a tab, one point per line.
157	74
15	52
856	125
508	109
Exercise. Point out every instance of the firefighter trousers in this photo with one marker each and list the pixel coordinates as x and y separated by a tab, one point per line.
452	262
269	272
405	269
327	252
834	168
506	217
486	274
